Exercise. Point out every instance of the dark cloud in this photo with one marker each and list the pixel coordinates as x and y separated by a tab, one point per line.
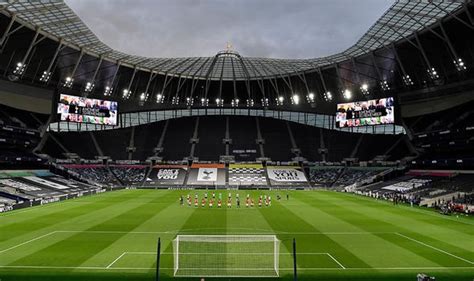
256	28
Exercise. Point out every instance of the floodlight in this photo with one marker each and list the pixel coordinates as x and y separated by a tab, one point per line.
459	63
68	82
89	87
347	94
108	91
19	69
407	80
45	76
295	99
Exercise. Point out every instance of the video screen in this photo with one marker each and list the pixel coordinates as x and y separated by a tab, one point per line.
365	113
85	110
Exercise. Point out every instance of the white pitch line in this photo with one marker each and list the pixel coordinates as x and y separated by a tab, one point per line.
26	242
340	264
237	233
434	248
284	269
116	260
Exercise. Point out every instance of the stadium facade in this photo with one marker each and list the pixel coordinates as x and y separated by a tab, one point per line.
229	140
230	108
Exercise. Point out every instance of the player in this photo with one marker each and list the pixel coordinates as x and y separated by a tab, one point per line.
230	195
270	200
238	202
247	202
196	203
181	200
219	203
252	203
211	203
203	202
213	195
205	195
229	203
267	201
260	202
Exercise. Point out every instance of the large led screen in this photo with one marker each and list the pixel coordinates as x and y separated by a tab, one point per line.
85	110
365	113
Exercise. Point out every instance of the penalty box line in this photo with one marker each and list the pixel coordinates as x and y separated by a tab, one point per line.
27	242
244	254
434	248
174	232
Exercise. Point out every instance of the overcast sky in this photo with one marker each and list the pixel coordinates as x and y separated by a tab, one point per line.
255	28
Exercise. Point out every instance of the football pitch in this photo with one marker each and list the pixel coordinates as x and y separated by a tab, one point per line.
113	236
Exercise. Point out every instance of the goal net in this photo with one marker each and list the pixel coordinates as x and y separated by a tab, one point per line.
226	256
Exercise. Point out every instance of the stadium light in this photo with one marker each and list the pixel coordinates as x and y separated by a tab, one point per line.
235	103
19	69
160	98
384	85
219	102
126	93
433	73
45	76
364	88
89	87
280	100
108	91
175	100
204	102
347	94
295	99
143	96
459	63
407	80
264	102
328	96
189	101
68	82
310	98
250	103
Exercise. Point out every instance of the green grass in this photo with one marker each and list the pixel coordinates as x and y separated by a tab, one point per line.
373	240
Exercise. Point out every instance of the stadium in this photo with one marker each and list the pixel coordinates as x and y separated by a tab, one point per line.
354	166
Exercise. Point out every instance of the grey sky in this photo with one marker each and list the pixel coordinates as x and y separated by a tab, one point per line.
256	28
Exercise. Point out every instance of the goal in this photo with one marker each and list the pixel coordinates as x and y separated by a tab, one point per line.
226	256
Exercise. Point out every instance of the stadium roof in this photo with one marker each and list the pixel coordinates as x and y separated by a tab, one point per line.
55	19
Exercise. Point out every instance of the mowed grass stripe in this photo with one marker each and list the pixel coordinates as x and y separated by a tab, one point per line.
30	212
88	219
367	221
144	238
356	239
411	214
45	217
77	248
438	232
422	213
202	221
281	218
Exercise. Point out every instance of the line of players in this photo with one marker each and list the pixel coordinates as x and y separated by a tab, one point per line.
263	200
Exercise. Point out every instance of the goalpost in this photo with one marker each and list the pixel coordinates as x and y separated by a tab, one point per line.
226	256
